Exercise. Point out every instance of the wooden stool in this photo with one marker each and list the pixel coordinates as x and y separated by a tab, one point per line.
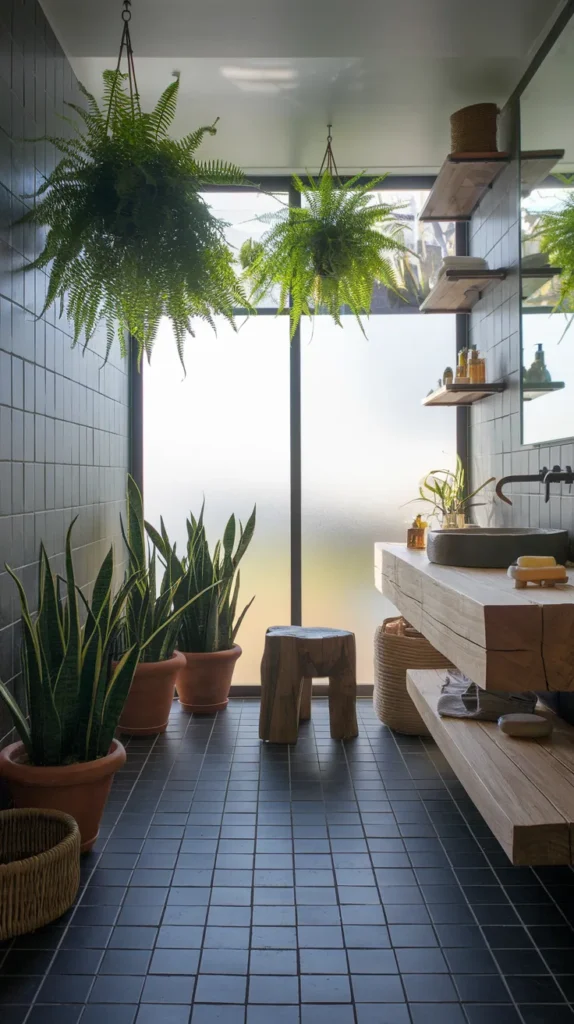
293	656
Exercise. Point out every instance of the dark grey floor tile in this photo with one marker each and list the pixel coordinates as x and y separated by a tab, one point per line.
421	961
176	988
63	988
232	961
481	988
125	961
425	988
220	988
314	1014
175	961
166	1014
367	988
41	1014
281	1015
18	989
323	961
116	989
273	961
553	1013
534	989
382	1013
108	1015
273	989
438	1013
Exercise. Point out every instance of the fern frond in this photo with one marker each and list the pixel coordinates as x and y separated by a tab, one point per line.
329	253
130	238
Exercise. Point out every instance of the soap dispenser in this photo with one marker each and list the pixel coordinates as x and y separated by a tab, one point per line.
538	373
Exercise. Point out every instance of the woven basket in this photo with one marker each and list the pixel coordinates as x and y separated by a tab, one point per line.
39	868
473	129
399	647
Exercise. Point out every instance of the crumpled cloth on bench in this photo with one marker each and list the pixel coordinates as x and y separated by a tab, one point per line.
461	698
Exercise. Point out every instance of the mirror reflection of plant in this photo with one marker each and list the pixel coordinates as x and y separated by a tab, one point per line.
555	230
328	253
130	238
445	491
417	269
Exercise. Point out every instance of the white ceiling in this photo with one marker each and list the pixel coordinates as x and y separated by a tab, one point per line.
387	73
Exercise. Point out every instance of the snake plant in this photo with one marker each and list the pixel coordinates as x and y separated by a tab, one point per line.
210	623
153	619
328	253
73	699
130	237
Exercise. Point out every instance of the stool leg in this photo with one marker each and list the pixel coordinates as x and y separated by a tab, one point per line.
280	689
343	693
305	708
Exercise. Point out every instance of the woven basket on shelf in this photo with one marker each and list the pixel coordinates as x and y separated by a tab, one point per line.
39	868
473	129
399	647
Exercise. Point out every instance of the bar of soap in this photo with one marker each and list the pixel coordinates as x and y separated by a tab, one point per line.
535	561
525	726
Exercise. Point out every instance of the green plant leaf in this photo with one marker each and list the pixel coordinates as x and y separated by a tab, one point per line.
19	720
130	238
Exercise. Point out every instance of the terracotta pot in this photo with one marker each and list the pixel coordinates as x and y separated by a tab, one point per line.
204	681
80	790
146	711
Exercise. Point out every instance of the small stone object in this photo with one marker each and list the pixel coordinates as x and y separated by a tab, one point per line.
529	727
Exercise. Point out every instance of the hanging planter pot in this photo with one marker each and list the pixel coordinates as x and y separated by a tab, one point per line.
328	253
130	238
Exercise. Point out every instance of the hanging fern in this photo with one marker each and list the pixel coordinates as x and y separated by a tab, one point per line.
327	254
130	238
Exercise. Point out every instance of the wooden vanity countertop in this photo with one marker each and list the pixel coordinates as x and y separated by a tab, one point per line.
500	637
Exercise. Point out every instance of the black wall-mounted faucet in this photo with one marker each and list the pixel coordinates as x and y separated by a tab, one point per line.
558	476
539	477
545	476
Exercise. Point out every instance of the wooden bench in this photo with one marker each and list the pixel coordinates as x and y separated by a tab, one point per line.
524	789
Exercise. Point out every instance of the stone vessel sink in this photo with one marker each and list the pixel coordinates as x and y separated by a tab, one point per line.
494	548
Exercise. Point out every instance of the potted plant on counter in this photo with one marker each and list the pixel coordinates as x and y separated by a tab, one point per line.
67	754
152	622
207	599
445	491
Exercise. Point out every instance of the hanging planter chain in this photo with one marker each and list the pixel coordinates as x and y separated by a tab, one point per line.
328	162
126	45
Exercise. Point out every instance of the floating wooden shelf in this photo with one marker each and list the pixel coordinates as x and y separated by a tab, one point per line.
461	184
542	272
533	277
535	166
532	391
462	394
457	291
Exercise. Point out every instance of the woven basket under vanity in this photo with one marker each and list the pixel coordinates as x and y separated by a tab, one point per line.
39	868
398	647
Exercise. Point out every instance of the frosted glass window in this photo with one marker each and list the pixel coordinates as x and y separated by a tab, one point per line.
223	432
367	442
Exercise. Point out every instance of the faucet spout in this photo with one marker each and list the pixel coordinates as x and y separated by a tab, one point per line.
539	477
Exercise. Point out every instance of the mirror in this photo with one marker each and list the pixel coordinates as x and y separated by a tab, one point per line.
547	187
